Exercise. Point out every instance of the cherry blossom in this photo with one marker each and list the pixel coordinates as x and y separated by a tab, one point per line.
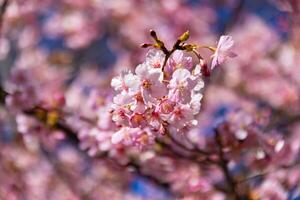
158	105
223	51
151	86
181	86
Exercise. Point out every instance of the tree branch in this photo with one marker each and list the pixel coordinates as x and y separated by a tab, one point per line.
235	14
2	12
72	136
232	185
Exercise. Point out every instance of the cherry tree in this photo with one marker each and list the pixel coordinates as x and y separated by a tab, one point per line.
188	114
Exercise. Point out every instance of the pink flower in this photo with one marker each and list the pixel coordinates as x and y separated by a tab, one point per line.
123	99
132	136
156	123
287	5
223	51
143	138
155	58
166	106
137	120
145	102
272	189
138	106
196	103
181	116
151	86
178	60
126	82
120	135
119	115
94	140
181	86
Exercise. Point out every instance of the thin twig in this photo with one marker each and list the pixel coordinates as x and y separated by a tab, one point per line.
235	14
62	174
72	136
232	186
2	12
262	174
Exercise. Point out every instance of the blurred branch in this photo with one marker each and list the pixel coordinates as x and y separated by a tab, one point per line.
72	136
3	94
194	157
232	185
281	118
2	12
61	173
235	14
194	148
9	169
262	174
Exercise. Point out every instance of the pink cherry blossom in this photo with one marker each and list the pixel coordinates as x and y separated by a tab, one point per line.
155	59
178	60
181	86
151	86
223	51
133	136
126	82
157	105
181	116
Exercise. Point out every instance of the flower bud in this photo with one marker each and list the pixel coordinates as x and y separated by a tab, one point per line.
204	68
153	34
184	37
144	45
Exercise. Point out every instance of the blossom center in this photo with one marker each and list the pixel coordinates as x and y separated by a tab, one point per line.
178	113
167	107
181	87
138	97
156	65
146	84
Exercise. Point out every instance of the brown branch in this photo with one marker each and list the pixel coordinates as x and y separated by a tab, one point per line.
194	148
61	173
159	44
2	12
235	14
223	162
192	156
3	95
72	136
262	174
280	118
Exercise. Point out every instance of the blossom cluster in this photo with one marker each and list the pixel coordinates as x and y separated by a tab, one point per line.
163	94
148	104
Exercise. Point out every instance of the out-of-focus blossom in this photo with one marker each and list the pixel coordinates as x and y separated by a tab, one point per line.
271	189
288	5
